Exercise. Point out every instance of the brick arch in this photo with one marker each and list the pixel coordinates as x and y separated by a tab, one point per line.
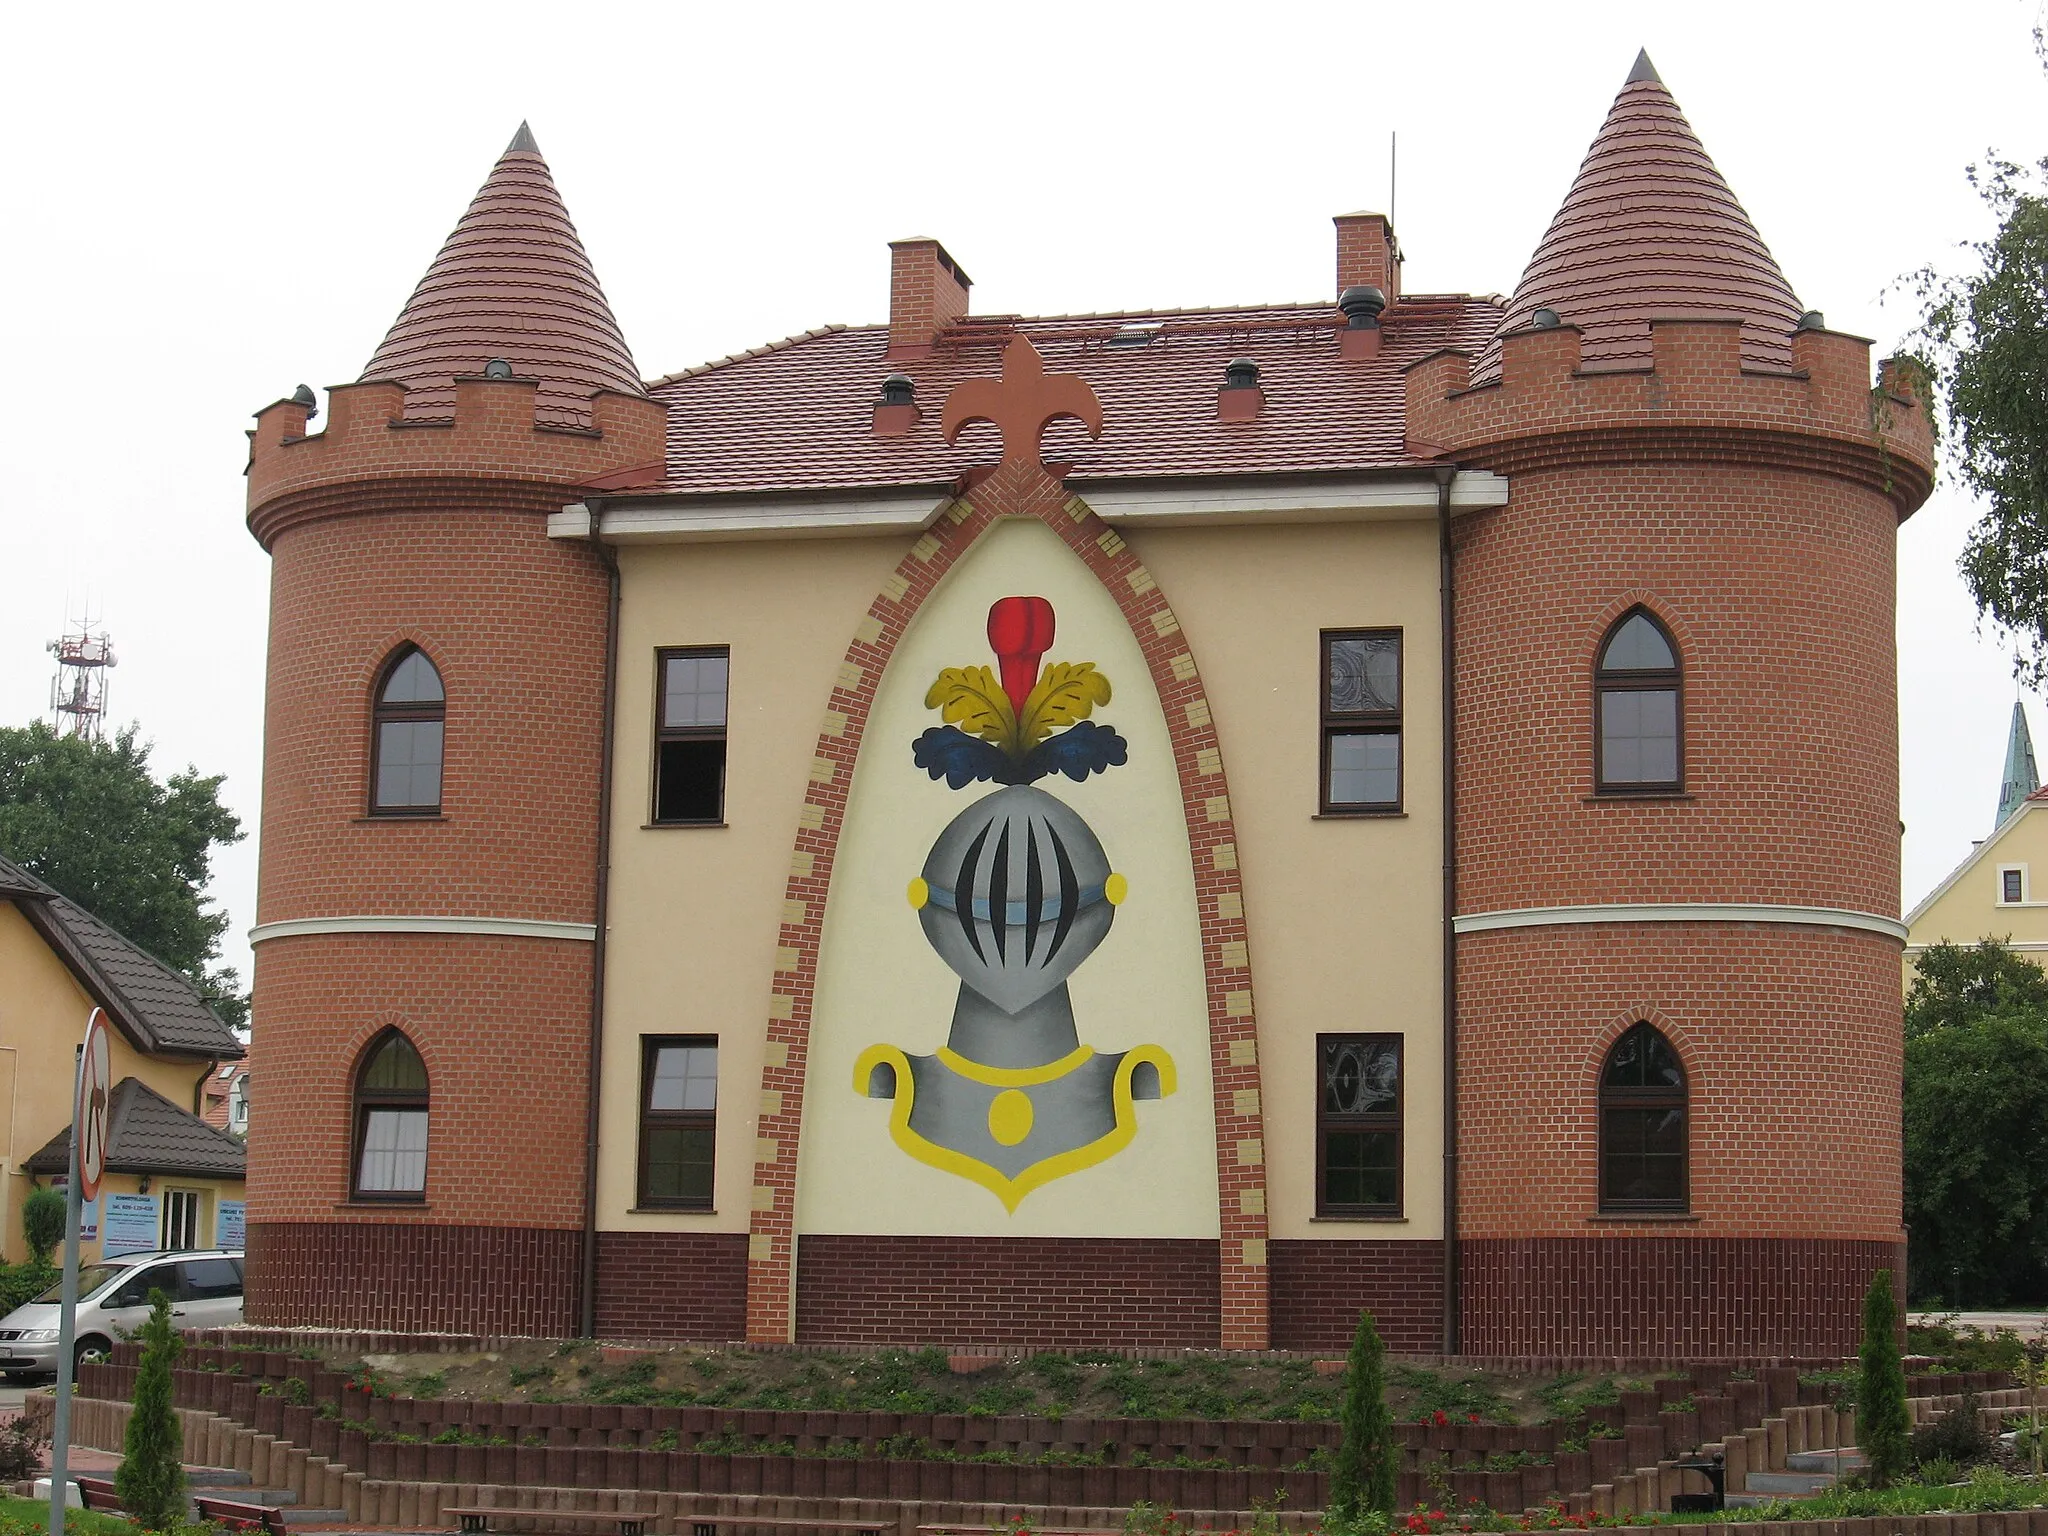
1659	607
1019	490
1628	1018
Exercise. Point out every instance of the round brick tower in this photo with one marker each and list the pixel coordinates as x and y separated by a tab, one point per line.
1720	862
438	883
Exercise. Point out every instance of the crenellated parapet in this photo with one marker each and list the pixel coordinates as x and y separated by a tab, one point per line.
493	435
1697	401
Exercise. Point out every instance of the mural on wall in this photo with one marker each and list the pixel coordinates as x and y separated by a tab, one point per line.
1015	894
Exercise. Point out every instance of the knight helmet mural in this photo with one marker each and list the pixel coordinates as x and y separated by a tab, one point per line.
1015	894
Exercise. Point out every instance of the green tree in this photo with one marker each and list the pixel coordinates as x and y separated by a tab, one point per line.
92	820
1883	1428
1363	1480
42	1222
151	1481
1976	1144
1954	984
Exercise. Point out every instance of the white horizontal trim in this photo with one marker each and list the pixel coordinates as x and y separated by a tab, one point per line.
682	520
1679	912
1328	501
487	927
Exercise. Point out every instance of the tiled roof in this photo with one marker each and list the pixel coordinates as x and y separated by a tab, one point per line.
1649	228
512	282
155	1006
798	415
147	1133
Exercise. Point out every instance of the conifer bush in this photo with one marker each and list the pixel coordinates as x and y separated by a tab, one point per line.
1882	1423
151	1482
43	1218
1362	1482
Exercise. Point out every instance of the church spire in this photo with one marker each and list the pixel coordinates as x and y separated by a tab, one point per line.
2021	778
511	284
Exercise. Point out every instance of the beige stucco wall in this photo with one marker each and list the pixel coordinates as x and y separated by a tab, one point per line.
696	911
1345	914
1971	906
42	1022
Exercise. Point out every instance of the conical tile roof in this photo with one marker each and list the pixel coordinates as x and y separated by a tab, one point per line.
511	282
1649	228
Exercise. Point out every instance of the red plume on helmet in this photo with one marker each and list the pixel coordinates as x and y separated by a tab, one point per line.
1019	632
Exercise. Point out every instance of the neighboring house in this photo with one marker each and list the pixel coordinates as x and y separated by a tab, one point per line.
226	1106
2001	890
172	1180
1158	829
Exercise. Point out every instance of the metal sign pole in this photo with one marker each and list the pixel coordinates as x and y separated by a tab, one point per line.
67	1321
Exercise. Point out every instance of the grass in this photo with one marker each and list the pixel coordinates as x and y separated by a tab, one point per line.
1988	1490
31	1517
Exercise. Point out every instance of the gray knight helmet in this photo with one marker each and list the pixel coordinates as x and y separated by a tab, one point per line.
1015	894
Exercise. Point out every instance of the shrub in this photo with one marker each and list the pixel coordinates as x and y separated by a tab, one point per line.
22	1283
1958	1436
43	1218
1363	1480
1882	1421
22	1443
151	1481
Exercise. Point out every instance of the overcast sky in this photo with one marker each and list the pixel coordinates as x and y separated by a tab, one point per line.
214	203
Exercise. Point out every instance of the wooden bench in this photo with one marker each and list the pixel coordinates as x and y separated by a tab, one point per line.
707	1525
96	1493
237	1516
627	1522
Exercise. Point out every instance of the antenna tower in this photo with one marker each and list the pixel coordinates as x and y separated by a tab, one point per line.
78	693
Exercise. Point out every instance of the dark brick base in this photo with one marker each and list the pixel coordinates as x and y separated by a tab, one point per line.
410	1277
1052	1292
1677	1298
672	1285
1320	1286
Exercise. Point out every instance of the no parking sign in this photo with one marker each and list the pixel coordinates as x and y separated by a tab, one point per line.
89	1115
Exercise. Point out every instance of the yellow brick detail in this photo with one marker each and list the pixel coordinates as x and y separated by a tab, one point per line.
771	1101
1254	1252
811	817
1245	1101
835	722
1183	667
781	1006
1142	582
794	912
1244	1053
1217	807
787	957
760	1248
1164	623
823	770
764	1197
1230	904
1076	508
961	510
1224	856
777	1053
1237	1004
926	546
850	674
1110	542
1209	761
1235	954
1198	713
868	630
802	863
1251	1152
895	587
1252	1202
767	1149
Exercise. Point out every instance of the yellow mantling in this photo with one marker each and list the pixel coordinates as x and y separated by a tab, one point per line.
1012	1191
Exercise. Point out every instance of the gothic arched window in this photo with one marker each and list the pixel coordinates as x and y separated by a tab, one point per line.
407	734
1642	1124
391	1121
1638	724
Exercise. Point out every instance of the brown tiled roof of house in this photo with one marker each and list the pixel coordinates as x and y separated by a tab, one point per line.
798	415
147	1133
511	282
1649	228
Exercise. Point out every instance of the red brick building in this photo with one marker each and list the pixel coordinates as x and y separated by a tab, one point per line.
1396	794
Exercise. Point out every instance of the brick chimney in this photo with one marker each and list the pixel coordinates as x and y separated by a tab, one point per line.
927	293
1367	254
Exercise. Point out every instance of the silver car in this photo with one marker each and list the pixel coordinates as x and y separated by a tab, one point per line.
205	1290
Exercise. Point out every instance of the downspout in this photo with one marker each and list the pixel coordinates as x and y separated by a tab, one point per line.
1447	646
587	1289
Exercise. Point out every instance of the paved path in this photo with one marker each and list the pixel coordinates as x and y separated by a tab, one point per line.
2028	1325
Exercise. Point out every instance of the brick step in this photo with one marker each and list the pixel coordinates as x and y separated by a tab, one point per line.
1788	1485
216	1477
298	1514
1847	1459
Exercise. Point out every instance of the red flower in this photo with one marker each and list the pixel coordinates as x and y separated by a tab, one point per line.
1473	1417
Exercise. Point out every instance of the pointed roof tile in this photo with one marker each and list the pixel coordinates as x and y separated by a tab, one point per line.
1649	228
511	282
2021	777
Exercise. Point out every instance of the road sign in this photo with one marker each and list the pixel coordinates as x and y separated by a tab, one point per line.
95	1100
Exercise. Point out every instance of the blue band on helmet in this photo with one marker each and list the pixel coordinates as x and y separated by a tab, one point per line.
1015	913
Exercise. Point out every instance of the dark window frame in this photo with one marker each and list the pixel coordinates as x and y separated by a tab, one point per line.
383	713
1608	680
1376	722
1326	1120
652	1120
1660	1097
367	1099
664	733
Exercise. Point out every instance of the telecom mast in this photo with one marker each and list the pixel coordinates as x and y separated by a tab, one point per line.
78	693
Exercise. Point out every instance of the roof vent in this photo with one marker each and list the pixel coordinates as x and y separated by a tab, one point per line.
1361	306
1813	320
303	395
497	368
1137	334
1544	320
1240	398
896	412
1241	373
898	389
